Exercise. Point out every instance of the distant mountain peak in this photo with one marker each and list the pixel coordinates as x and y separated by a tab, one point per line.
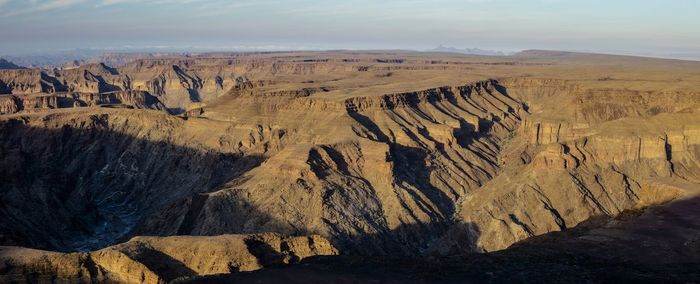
472	51
4	64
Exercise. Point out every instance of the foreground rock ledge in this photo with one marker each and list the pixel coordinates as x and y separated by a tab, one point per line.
160	259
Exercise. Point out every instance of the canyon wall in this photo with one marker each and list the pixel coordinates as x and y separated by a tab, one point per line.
310	149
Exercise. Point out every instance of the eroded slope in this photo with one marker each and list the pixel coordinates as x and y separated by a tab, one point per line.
382	154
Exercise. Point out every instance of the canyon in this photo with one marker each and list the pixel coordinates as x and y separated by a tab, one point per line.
240	166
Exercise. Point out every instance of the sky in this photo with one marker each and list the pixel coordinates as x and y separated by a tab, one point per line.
645	27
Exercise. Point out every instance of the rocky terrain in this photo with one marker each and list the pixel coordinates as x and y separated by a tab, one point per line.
4	64
158	259
445	160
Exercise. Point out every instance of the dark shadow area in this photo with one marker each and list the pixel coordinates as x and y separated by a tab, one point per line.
104	87
175	110
408	240
194	96
192	84
161	264
196	204
410	167
465	134
369	125
656	245
50	84
389	264
84	188
504	91
109	69
668	148
4	89
267	256
412	174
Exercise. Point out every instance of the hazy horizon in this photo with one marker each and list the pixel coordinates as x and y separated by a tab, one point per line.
645	28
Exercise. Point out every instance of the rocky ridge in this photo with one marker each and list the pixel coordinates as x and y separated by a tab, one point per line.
4	64
160	260
292	145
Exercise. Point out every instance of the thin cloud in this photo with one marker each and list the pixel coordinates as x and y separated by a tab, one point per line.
26	7
36	6
154	2
114	2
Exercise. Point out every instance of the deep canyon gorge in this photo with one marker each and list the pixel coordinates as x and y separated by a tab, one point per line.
203	167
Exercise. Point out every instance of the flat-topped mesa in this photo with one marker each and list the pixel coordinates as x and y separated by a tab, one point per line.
136	99
587	108
479	97
41	101
27	81
173	86
239	65
144	65
179	82
93	78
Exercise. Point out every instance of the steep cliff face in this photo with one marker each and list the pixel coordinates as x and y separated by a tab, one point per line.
178	87
135	99
493	178
93	78
177	83
174	86
37	102
559	172
369	159
393	173
88	196
9	104
27	81
486	163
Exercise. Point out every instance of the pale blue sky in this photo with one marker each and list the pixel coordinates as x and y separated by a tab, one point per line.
623	26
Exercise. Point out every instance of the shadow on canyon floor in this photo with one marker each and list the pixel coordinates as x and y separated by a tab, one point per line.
84	187
382	265
658	244
165	266
90	187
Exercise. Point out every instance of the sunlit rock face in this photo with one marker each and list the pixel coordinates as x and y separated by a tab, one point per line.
162	259
366	154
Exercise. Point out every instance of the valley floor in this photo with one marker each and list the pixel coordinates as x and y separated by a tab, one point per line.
656	245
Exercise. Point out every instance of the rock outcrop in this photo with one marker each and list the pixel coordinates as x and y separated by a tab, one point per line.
38	102
160	260
379	153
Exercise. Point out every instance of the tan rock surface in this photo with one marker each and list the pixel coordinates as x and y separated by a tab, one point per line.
160	259
379	152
